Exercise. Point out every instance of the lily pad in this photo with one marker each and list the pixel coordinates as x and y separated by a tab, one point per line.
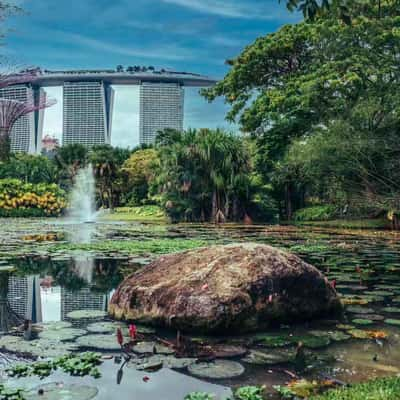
219	369
345	327
61	391
395	322
360	321
103	327
228	351
168	361
273	340
313	342
100	342
271	357
391	310
336	336
359	310
62	334
82	314
359	334
151	347
54	326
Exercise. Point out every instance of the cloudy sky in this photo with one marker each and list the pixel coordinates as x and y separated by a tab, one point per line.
185	35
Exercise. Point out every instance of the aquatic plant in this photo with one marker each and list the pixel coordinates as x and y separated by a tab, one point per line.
250	393
199	396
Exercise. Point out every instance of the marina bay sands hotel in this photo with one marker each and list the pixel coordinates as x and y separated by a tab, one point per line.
88	101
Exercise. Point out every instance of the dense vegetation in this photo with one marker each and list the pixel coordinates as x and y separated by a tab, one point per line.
320	99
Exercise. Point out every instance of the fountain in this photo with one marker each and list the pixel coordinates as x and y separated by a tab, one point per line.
82	208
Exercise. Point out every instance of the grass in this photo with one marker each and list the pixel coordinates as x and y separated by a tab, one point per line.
155	246
379	389
139	214
347	223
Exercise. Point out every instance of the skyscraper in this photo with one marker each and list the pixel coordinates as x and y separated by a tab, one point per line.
161	107
26	134
87	113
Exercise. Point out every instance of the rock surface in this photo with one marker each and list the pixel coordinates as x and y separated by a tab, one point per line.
230	289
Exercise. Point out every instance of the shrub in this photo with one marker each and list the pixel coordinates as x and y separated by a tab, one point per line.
19	199
379	389
316	213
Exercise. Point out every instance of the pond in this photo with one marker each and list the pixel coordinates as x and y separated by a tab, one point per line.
61	277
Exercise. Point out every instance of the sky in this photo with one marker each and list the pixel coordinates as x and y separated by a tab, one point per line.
186	35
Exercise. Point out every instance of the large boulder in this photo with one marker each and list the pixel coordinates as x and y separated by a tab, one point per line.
225	289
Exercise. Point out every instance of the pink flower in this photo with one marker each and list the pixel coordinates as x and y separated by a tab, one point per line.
120	338
132	331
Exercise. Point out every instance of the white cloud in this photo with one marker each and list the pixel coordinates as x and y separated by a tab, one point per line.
233	8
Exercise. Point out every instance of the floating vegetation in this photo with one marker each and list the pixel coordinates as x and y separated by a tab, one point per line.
219	369
103	327
359	321
395	322
86	314
54	326
336	336
271	357
151	347
99	342
37	348
76	365
62	334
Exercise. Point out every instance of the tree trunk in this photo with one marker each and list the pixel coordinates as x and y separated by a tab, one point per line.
214	206
288	201
5	144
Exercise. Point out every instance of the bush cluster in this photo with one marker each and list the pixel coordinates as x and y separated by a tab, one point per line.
316	213
19	199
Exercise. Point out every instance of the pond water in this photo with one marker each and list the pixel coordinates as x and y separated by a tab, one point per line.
61	276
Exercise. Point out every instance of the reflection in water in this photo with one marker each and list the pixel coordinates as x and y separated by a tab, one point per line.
83	267
24	297
81	233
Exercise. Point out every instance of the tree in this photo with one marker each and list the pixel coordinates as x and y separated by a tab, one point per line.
107	162
69	159
140	170
203	174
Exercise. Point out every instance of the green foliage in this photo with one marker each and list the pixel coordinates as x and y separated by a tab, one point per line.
11	394
29	168
199	396
316	213
250	393
140	170
379	389
75	365
19	199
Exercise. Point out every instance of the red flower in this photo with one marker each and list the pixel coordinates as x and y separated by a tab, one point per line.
146	379
333	283
132	331
120	338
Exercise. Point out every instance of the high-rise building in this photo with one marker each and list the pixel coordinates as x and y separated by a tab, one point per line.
24	297
87	113
26	134
161	107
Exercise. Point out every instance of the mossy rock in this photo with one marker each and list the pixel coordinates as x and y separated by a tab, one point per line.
86	314
62	334
61	391
391	321
219	369
270	357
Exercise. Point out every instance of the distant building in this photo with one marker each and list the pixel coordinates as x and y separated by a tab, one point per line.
87	113
27	132
49	143
161	107
24	297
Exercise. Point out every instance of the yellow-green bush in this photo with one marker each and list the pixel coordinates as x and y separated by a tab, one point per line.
19	199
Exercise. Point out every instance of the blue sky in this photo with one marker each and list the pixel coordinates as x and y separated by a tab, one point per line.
187	35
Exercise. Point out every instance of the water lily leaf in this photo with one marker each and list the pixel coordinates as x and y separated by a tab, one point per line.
61	391
219	369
